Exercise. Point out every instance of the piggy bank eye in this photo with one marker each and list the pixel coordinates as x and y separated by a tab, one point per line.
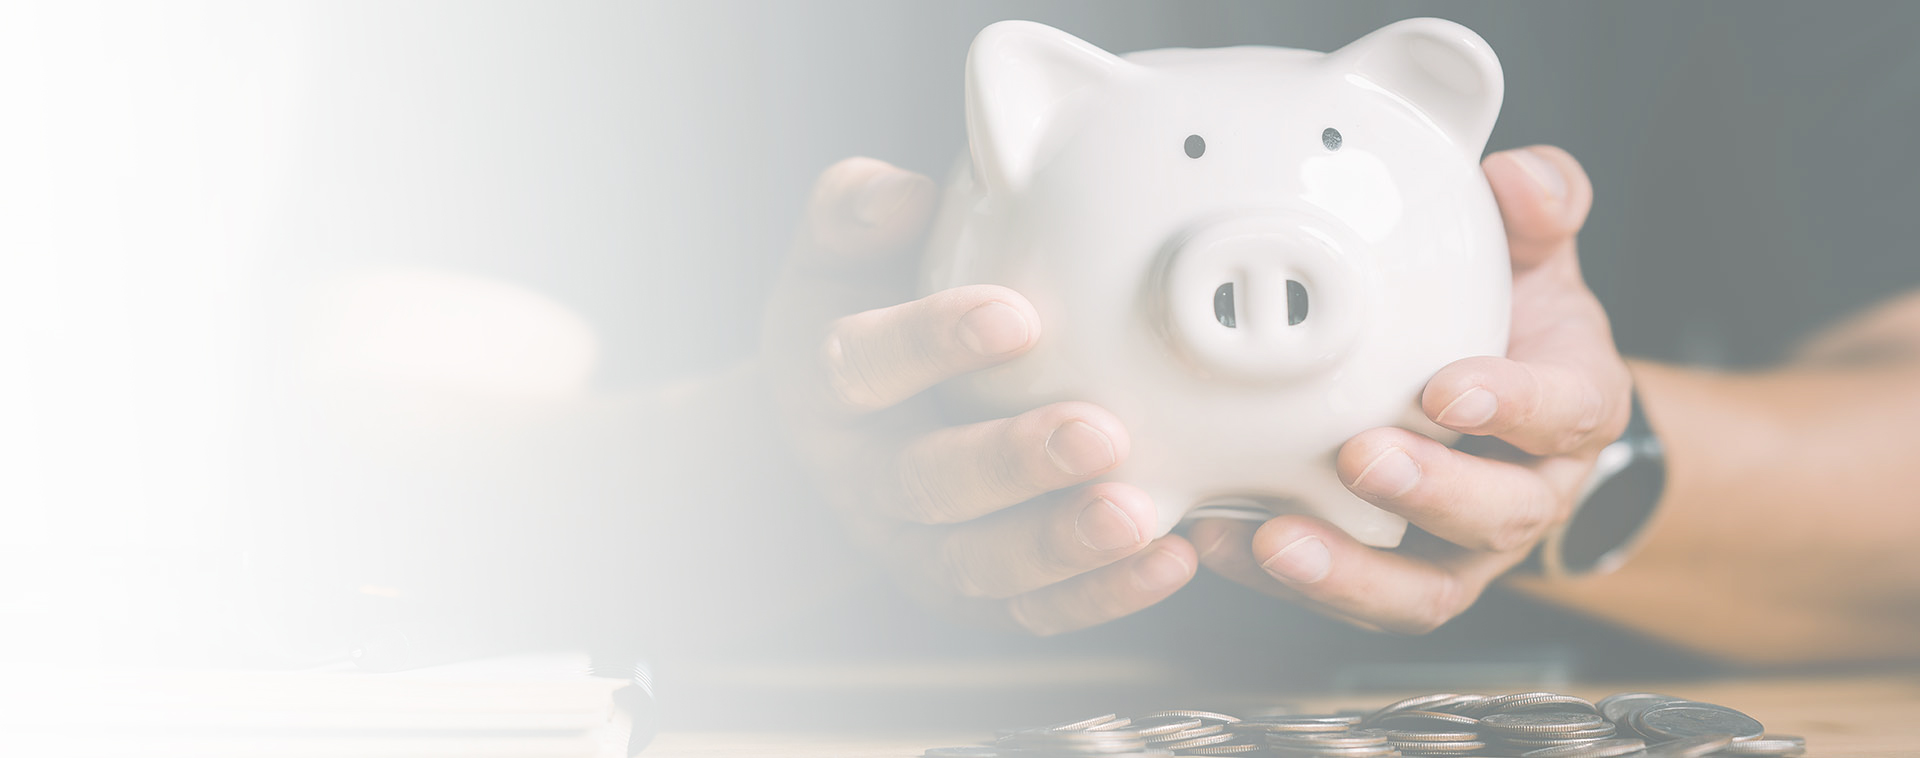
1331	138
1196	147
1223	310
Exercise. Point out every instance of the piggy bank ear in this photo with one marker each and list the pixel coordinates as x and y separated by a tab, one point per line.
1021	82
1440	68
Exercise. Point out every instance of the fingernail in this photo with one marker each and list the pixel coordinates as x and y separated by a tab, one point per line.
1079	449
1159	571
1543	173
994	328
1103	526
1390	474
884	196
1304	562
1472	408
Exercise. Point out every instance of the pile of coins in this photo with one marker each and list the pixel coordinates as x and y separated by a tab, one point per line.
1526	724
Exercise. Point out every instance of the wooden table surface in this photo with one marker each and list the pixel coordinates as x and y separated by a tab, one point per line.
1867	716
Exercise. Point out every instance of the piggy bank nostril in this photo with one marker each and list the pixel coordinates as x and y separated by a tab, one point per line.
1223	305
1296	302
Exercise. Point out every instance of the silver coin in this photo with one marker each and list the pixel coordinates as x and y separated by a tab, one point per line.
1416	703
1232	749
1768	746
1083	723
1691	747
1202	715
1595	749
1600	731
1525	745
1278	724
1620	706
1355	738
1187	734
1371	751
1211	739
1547	723
1691	719
1419	719
1539	724
1483	706
1333	719
1530	701
1425	736
1254	729
1459	703
1440	748
1172	726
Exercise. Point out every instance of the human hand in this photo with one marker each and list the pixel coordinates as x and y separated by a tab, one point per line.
983	520
1561	394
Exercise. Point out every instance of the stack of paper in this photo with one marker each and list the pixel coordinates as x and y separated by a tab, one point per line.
546	706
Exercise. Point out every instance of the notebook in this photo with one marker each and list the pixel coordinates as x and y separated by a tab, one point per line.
537	705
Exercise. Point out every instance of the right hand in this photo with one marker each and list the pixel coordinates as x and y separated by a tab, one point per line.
984	520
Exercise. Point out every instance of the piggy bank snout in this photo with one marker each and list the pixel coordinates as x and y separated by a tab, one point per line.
1262	298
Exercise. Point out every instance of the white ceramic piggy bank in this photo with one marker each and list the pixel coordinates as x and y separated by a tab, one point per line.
1247	254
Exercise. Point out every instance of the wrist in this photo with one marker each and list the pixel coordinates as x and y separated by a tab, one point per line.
1614	509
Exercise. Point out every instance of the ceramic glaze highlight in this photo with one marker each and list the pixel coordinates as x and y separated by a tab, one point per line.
1248	254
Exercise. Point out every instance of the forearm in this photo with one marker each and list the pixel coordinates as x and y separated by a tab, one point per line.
1786	532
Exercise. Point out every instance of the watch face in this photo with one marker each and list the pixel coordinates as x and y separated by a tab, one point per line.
1613	516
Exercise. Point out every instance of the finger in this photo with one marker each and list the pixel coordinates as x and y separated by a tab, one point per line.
1023	549
1544	198
961	473
1473	502
875	359
862	211
1107	593
1544	409
1391	590
1225	547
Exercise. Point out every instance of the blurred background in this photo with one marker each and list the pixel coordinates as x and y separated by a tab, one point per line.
322	320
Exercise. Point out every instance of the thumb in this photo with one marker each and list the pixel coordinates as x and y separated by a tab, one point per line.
862	211
1544	197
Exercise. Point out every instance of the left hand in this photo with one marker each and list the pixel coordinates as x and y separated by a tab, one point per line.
1561	395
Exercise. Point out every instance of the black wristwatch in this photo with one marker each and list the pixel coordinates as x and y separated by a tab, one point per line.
1611	516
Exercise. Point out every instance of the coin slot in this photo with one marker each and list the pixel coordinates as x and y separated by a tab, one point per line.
1296	302
1223	310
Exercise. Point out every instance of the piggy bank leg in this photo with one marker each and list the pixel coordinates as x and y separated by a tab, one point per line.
1238	509
1177	507
1324	497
